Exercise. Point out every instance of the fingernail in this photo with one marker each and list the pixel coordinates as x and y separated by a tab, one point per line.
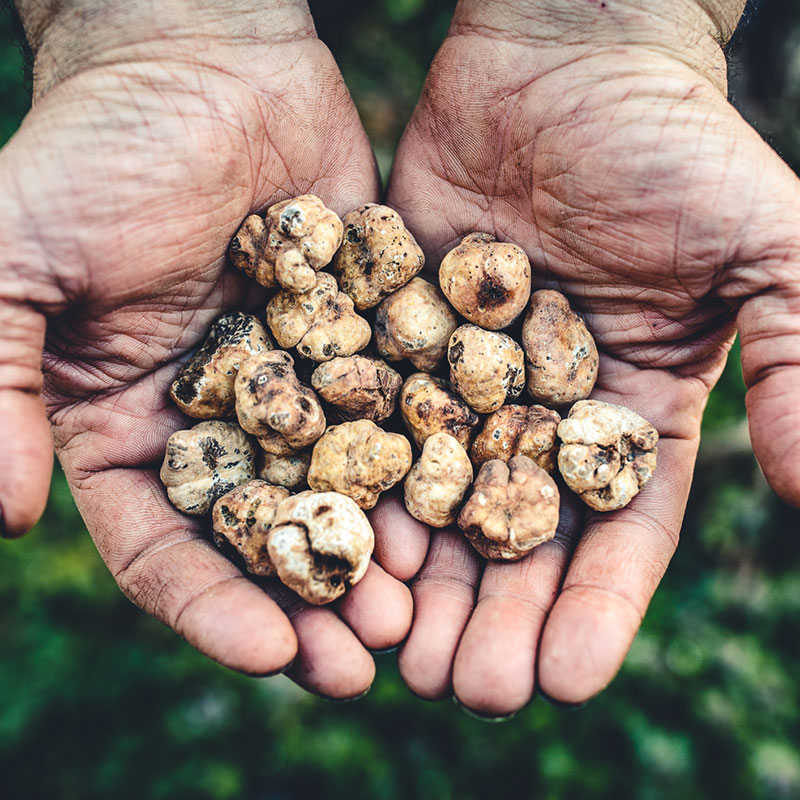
483	717
340	701
560	703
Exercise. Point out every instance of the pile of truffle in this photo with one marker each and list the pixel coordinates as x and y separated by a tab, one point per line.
330	417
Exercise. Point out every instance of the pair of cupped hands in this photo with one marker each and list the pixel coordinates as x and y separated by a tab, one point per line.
596	136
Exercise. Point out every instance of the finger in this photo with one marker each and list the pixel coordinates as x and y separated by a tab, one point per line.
330	662
614	571
27	447
494	668
444	596
164	565
401	542
769	326
378	609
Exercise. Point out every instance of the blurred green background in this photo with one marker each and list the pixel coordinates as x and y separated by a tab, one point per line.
97	700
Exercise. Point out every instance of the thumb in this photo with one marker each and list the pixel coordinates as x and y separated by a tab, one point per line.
769	326
27	449
765	275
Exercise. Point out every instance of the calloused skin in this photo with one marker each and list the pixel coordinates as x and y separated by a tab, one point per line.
637	189
118	198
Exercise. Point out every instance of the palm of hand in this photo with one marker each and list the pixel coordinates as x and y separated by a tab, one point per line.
158	163
633	188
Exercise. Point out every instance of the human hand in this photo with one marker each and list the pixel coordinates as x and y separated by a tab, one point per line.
599	138
156	129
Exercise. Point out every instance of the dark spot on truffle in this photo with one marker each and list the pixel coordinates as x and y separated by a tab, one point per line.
491	292
455	353
212	451
288	220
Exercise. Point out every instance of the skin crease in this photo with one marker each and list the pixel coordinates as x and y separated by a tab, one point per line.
610	154
118	197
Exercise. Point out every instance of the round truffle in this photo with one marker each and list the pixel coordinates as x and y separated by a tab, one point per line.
487	281
437	483
561	355
428	406
359	386
416	323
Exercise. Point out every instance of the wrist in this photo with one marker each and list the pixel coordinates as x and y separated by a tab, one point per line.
691	30
69	36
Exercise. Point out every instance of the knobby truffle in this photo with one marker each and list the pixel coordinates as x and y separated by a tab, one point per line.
295	239
321	322
242	519
273	405
320	544
203	463
512	509
378	255
204	388
607	455
519	431
359	459
288	470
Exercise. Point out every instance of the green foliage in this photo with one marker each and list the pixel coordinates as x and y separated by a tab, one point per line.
13	99
99	701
